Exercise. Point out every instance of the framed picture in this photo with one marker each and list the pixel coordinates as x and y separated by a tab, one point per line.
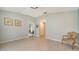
18	22
8	21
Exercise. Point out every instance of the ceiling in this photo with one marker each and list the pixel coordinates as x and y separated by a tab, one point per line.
39	11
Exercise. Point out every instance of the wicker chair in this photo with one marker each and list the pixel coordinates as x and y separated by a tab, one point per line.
71	38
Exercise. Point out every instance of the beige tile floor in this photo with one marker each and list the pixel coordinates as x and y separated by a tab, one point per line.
35	45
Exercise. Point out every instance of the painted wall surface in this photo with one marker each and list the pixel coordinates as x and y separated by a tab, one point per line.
78	20
78	24
59	24
8	33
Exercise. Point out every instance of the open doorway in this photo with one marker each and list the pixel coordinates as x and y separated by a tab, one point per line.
42	28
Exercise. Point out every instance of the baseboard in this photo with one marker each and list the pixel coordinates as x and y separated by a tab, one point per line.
59	40
13	40
53	39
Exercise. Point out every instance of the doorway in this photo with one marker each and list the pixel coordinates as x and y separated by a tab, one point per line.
42	28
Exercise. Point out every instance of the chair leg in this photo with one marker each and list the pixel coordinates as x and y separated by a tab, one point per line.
73	44
33	37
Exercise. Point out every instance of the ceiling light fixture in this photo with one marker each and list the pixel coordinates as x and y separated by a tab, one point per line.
34	7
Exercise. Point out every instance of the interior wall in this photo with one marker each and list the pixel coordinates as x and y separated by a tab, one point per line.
78	19
9	33
58	24
78	24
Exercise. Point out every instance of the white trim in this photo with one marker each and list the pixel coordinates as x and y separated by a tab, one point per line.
53	39
13	40
49	38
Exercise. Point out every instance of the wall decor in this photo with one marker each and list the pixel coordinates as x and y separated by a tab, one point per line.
8	21
18	22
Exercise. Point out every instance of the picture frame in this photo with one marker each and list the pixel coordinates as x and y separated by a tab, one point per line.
18	22
8	21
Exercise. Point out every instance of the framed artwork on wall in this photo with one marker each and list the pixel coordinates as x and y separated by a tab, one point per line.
18	22
8	21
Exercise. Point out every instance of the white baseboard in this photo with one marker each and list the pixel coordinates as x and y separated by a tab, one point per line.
53	39
58	40
13	40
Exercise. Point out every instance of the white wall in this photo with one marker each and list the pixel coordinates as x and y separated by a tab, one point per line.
59	24
9	33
